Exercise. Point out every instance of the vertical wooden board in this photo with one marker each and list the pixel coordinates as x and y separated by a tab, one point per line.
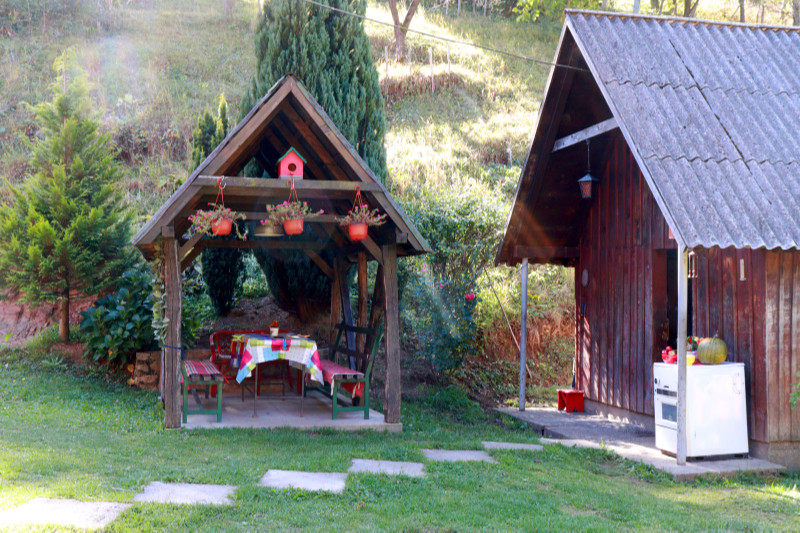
391	335
619	328
701	294
772	346
640	353
744	328
595	319
728	332
586	261
785	350
795	343
626	333
172	356
603	295
714	293
336	306
578	355
759	375
648	334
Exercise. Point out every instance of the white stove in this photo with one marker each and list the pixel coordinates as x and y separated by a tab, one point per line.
716	409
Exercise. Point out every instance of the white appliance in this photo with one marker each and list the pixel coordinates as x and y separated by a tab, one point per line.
716	410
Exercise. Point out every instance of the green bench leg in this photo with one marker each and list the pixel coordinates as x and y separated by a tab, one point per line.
366	400
185	400
219	402
335	398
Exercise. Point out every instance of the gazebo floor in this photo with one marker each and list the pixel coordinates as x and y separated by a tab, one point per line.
277	411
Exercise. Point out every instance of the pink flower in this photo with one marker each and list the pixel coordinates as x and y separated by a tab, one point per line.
470	296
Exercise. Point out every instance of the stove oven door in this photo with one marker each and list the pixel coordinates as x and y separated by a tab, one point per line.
666	418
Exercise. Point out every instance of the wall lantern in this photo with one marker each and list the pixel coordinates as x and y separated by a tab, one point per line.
586	182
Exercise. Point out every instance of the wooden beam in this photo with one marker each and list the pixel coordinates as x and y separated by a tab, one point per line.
373	249
171	357
193	253
189	244
587	133
268	244
320	262
263	184
683	305
362	300
546	252
391	335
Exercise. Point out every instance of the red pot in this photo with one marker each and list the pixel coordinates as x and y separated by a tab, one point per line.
293	227
222	226
357	232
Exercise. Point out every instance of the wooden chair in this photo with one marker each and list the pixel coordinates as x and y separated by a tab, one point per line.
226	353
341	378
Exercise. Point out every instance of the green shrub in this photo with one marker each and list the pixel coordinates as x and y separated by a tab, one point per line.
439	297
455	402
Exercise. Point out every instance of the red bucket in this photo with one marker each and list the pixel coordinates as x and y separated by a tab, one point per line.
222	226
357	232
293	227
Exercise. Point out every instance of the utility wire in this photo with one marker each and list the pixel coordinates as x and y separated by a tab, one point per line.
441	38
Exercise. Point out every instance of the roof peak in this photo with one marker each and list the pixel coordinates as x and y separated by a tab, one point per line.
681	20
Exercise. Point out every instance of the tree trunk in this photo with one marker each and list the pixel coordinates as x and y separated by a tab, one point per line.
741	10
655	5
635	6
689	9
63	317
795	12
399	44
401	28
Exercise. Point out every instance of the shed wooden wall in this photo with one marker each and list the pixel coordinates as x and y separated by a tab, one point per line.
614	321
622	311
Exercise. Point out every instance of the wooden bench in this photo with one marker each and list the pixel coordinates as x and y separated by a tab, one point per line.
339	377
200	375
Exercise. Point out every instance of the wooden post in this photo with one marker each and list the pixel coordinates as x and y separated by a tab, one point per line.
336	305
386	57
523	334
362	300
449	72
172	357
391	334
683	299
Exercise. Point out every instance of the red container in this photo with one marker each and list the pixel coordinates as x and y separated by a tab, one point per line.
293	227
571	400
222	227
357	232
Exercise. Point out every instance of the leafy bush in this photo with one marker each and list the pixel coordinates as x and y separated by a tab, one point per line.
463	228
119	324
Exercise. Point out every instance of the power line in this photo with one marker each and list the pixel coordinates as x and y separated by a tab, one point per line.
445	39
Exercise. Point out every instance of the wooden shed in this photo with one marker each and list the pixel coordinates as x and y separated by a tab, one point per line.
691	130
289	117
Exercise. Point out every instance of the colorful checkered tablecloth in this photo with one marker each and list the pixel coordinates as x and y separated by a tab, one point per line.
263	348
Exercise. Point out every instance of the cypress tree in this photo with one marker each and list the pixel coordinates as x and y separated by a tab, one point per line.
221	266
330	54
64	229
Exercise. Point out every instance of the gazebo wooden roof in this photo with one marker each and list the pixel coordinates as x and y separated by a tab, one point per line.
288	117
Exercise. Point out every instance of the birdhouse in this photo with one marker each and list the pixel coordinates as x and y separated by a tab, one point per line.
290	166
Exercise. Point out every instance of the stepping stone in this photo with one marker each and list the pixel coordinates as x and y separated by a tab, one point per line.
66	513
393	468
454	456
292	479
187	493
493	445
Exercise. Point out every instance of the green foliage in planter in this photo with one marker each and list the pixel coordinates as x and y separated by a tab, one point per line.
331	55
438	302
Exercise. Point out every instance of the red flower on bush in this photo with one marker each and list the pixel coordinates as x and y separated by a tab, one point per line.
470	296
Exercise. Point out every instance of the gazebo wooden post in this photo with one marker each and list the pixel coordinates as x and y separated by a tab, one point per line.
523	332
391	334
362	300
336	304
171	356
683	304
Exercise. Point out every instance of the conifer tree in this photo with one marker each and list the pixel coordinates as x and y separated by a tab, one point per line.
221	266
65	228
330	54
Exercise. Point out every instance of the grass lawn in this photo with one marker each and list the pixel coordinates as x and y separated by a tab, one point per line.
64	434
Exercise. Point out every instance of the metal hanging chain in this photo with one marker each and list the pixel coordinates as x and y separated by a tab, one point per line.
293	193
220	195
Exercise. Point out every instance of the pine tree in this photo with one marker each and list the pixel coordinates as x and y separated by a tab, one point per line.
65	229
221	266
330	54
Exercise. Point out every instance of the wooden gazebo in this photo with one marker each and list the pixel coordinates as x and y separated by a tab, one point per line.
288	116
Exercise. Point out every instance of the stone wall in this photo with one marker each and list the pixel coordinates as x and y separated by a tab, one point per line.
147	367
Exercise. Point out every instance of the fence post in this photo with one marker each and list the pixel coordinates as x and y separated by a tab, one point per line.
430	57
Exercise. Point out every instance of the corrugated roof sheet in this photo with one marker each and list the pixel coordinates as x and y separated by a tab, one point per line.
713	112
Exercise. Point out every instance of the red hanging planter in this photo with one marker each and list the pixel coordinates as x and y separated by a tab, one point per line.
357	232
293	226
222	227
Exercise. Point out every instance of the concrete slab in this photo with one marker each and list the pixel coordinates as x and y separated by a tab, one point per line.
65	513
629	441
493	445
392	468
186	493
311	481
284	412
454	456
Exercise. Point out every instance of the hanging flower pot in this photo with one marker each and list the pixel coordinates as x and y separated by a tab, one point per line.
222	226
217	221
291	213
293	226
357	232
359	218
